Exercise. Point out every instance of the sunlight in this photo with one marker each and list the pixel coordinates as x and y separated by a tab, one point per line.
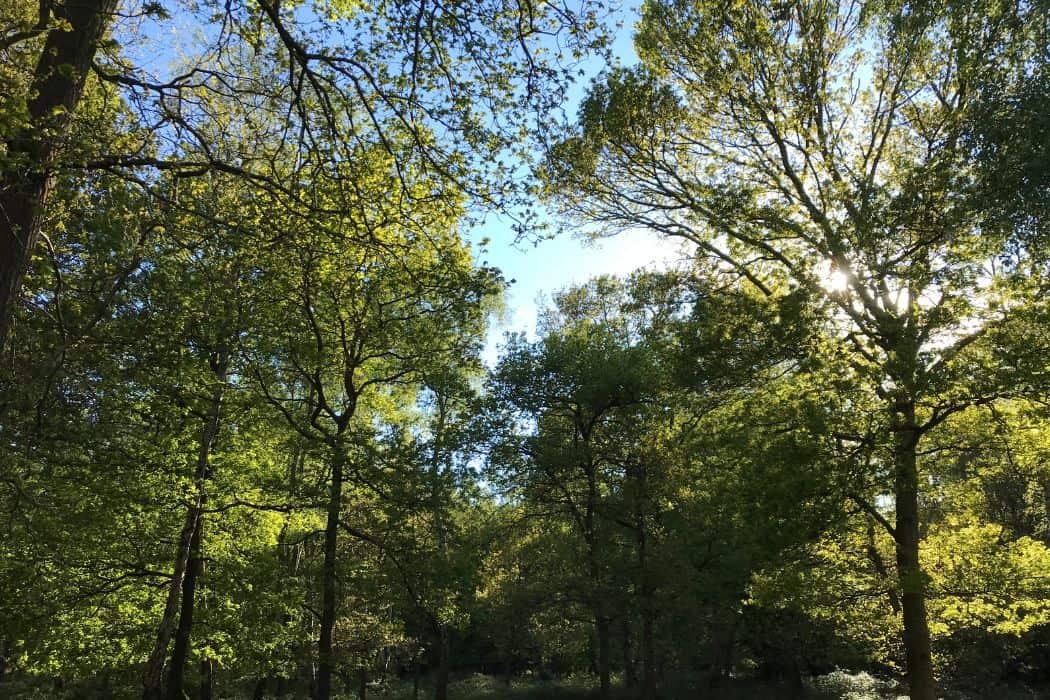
835	281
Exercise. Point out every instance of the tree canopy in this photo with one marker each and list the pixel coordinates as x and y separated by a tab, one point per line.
250	447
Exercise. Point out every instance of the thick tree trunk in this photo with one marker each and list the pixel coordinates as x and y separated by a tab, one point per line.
58	82
326	657
909	571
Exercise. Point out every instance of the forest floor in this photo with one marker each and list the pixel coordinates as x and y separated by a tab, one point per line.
839	685
835	686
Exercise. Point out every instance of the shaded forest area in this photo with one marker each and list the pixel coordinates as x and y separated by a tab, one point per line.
248	446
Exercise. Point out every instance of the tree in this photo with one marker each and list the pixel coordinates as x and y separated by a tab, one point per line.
821	143
626	431
448	77
578	387
347	334
33	140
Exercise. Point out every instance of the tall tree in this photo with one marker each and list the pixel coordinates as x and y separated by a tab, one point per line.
821	142
342	332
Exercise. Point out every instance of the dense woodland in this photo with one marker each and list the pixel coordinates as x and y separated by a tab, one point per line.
248	447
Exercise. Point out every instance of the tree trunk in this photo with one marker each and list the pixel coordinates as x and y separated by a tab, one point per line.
325	656
911	577
441	672
207	678
189	541
437	503
630	673
724	642
601	629
55	91
1046	509
646	605
648	644
5	666
151	677
180	649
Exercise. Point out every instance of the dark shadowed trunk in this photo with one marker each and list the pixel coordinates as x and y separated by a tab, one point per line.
181	647
207	678
602	623
151	676
326	657
630	673
1046	509
724	643
189	542
441	670
646	602
909	572
601	629
437	503
25	188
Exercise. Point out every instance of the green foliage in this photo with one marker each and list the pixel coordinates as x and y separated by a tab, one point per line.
687	478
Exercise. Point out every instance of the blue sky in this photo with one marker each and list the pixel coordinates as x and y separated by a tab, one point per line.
549	265
561	262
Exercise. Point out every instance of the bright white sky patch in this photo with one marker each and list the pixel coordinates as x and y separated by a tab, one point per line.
835	281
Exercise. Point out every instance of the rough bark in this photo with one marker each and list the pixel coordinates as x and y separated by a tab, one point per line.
55	91
326	657
909	571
